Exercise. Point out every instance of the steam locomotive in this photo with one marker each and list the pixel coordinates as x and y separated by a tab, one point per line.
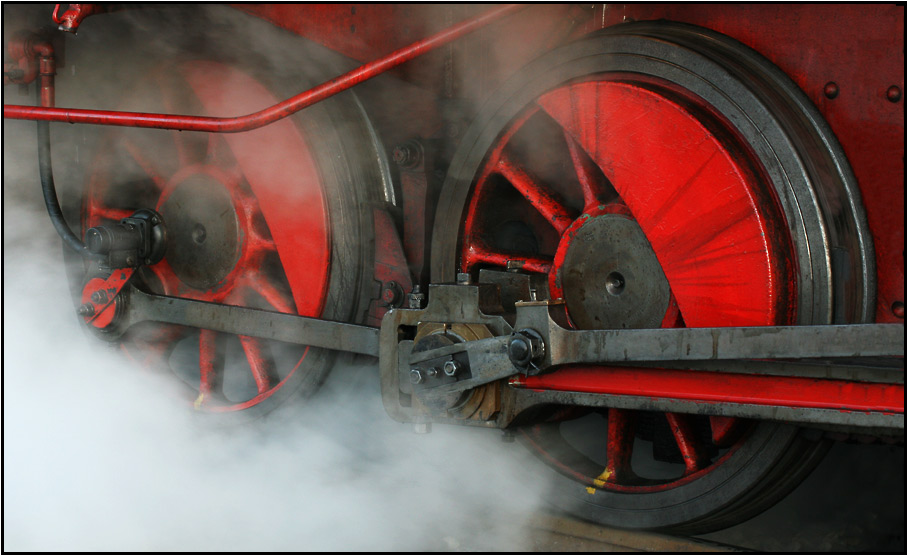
662	245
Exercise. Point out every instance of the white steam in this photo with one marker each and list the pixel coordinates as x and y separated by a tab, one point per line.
98	456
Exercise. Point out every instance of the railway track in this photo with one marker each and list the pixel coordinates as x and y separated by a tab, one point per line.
557	533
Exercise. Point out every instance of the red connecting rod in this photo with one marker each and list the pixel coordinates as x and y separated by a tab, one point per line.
273	113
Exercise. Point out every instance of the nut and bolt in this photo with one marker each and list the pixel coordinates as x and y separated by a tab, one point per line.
407	155
392	294
431	372
99	297
86	310
525	347
463	278
416	299
451	368
416	376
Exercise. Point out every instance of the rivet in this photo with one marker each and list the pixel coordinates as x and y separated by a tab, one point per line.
898	309
894	94
831	90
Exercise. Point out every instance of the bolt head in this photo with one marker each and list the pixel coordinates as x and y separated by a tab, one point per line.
520	351
451	368
86	310
416	376
463	278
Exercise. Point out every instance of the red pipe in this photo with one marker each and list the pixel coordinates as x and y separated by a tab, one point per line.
268	115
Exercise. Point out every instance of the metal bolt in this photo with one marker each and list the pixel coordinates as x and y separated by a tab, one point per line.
416	376
894	94
99	297
831	90
451	367
520	351
416	299
86	310
431	372
130	261
392	294
525	347
463	278
407	155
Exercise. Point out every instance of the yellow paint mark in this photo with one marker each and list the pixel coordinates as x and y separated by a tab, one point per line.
198	401
602	478
591	490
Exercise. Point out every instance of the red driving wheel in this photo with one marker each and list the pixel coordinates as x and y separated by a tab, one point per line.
250	222
618	168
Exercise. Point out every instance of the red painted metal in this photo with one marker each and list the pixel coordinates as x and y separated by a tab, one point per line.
75	13
390	262
275	190
109	288
858	46
268	115
693	452
717	236
710	387
619	447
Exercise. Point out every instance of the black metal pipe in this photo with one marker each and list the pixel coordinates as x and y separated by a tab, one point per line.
50	192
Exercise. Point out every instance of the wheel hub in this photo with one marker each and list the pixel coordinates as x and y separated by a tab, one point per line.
205	231
608	243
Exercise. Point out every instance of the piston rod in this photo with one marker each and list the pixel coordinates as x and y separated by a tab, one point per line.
268	115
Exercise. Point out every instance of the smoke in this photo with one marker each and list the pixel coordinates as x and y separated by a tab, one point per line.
101	455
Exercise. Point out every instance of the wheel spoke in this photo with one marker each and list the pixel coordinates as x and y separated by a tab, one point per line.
726	430
99	212
151	169
692	450
620	447
276	298
530	187
209	378
168	278
476	253
261	363
587	174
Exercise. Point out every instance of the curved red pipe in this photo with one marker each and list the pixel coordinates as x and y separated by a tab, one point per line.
268	115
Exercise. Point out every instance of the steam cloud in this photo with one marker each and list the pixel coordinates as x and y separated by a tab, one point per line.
99	456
